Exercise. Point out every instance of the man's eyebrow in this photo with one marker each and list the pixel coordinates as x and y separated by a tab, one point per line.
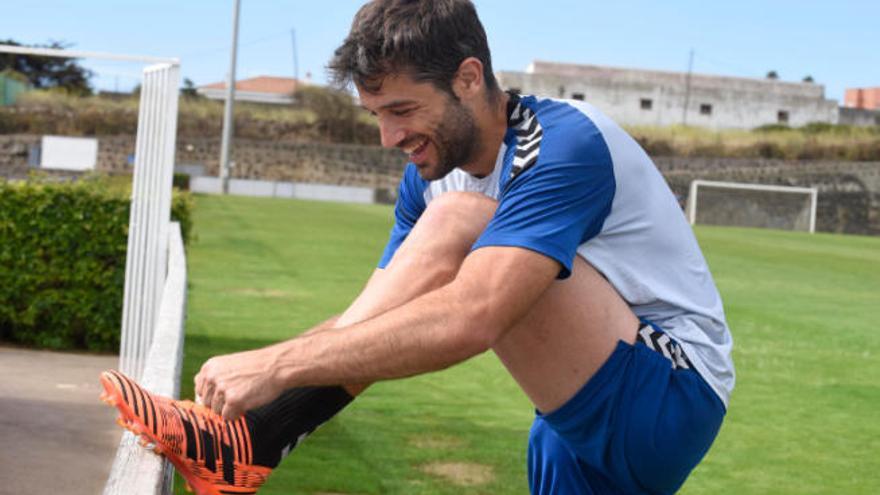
392	104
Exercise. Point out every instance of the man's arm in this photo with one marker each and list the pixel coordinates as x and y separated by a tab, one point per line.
495	287
324	325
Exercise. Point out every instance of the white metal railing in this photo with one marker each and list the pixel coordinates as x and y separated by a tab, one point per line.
150	210
135	470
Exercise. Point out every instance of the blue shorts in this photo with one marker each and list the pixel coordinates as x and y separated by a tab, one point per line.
639	425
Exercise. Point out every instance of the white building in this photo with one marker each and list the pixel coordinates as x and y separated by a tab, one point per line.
658	98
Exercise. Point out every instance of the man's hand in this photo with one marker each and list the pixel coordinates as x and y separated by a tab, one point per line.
235	383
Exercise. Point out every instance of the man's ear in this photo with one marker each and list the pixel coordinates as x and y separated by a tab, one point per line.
468	81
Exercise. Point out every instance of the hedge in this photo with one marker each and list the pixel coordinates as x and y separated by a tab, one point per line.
62	261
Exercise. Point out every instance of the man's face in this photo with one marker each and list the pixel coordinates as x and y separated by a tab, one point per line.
433	128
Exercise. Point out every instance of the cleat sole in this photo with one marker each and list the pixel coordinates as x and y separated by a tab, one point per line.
129	421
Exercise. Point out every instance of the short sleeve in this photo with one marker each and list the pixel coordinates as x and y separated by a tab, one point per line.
409	207
559	202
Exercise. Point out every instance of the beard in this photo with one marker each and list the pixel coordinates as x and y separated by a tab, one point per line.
456	140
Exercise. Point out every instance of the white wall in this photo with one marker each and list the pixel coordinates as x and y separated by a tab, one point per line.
291	190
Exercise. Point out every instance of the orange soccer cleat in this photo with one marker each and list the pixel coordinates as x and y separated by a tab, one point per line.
213	455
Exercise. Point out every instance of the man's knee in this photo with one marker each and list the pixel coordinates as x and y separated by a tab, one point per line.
461	214
444	233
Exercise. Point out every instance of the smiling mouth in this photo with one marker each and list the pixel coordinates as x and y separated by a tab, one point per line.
416	150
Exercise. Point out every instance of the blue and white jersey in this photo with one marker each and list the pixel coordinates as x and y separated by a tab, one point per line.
569	182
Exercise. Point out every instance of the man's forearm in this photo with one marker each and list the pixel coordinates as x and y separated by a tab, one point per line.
431	333
324	325
354	389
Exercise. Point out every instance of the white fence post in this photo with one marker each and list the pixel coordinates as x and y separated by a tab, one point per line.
150	211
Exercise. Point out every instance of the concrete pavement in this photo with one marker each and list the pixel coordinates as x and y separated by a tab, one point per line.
56	436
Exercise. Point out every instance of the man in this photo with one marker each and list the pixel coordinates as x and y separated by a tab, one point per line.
532	227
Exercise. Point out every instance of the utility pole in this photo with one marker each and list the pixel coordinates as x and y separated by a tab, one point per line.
687	89
295	56
230	99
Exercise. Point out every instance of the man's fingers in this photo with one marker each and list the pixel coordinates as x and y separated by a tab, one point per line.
207	395
197	381
217	403
230	413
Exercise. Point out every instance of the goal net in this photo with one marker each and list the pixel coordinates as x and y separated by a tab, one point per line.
752	205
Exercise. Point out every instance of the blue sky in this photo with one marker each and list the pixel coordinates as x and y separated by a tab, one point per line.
838	43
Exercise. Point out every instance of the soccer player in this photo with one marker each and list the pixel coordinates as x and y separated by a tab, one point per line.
533	227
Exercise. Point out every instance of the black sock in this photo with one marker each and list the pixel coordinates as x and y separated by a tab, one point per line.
278	427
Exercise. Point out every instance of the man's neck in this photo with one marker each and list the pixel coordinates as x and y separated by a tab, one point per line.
492	122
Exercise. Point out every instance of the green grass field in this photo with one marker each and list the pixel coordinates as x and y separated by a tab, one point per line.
803	310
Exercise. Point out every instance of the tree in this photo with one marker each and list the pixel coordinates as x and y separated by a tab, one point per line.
808	79
188	90
48	72
336	115
772	75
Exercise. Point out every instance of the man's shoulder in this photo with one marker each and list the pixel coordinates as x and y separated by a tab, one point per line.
569	130
563	117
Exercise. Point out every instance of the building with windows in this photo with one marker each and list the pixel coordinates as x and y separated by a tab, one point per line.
658	98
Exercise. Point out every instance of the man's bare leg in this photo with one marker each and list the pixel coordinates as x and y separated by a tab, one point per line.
566	337
429	258
554	350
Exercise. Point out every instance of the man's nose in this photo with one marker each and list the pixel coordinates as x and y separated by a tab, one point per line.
391	135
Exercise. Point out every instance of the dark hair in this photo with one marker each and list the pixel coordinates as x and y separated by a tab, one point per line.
426	39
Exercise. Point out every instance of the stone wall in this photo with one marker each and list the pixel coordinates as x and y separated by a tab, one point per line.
14	151
849	192
348	165
858	117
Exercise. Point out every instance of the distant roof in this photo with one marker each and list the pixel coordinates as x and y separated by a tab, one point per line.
261	84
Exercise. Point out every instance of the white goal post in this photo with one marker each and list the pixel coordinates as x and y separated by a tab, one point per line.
696	185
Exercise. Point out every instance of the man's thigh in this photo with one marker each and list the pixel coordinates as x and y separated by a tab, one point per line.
566	337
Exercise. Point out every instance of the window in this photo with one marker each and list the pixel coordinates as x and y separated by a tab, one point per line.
646	103
705	109
782	116
577	96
